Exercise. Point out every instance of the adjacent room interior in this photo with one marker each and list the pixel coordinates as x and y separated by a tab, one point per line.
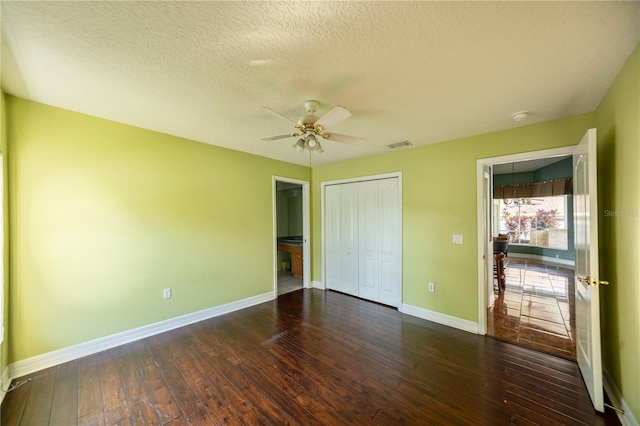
535	307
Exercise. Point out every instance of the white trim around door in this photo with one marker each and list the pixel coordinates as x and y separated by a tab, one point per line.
482	238
306	231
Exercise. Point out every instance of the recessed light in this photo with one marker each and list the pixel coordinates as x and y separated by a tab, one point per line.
259	62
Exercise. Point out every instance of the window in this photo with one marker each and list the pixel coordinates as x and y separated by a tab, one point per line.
538	221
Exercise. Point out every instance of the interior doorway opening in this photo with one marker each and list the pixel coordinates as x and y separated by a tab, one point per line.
291	235
533	304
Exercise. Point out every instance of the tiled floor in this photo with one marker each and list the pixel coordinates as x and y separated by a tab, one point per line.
537	309
288	283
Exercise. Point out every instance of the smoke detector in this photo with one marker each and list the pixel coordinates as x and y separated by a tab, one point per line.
519	116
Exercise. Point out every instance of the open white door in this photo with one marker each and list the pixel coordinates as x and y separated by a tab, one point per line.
488	235
585	211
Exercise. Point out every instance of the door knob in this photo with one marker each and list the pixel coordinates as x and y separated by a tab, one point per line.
594	282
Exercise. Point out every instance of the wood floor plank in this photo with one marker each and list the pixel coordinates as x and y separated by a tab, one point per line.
94	418
130	375
38	406
215	405
114	400
249	391
309	357
14	404
220	391
64	409
142	412
332	397
89	391
159	393
190	406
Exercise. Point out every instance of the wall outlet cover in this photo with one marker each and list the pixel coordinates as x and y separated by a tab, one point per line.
457	239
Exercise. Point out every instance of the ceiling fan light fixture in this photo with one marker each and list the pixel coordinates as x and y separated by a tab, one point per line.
311	143
299	145
318	150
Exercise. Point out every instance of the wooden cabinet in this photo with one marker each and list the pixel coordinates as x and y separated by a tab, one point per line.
296	258
296	261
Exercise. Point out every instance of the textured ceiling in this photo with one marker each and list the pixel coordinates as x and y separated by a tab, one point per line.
420	71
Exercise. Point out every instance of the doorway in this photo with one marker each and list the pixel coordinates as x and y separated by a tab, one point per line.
291	235
536	305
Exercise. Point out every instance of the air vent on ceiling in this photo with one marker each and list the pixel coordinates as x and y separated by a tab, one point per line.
400	144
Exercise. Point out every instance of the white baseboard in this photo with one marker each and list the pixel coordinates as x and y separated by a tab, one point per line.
626	419
448	320
50	359
318	284
547	259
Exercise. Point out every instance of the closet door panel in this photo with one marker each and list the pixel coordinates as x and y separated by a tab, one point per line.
349	238
332	235
389	212
368	224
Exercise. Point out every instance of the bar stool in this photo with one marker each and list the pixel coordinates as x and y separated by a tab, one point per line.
498	270
500	250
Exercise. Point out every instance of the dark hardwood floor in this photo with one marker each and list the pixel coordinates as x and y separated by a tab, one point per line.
309	358
537	308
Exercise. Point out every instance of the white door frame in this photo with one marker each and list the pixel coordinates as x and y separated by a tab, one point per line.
306	229
483	296
322	283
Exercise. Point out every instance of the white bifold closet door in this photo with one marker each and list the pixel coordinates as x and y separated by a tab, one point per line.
362	229
342	238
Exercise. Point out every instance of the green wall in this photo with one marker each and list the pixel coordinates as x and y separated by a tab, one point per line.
295	215
282	213
618	121
105	215
289	211
5	215
438	200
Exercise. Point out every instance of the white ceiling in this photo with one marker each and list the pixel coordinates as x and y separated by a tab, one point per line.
420	71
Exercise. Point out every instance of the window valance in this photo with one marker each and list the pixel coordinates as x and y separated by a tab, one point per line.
547	188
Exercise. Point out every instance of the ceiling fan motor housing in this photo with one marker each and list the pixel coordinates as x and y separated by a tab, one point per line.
307	124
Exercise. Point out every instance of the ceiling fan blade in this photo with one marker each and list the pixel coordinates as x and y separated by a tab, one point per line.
279	115
273	138
338	137
336	115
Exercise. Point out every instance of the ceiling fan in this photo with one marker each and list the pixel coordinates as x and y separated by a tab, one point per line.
311	127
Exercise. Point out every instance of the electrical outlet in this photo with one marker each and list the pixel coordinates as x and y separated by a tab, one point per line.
456	239
432	287
166	293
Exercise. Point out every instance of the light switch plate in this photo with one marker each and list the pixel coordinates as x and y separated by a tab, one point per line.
457	239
